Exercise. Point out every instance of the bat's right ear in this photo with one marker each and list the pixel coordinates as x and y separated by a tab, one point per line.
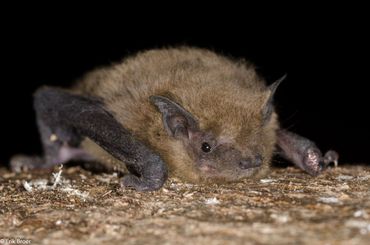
176	120
268	106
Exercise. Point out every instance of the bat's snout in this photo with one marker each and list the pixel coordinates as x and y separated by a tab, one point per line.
250	162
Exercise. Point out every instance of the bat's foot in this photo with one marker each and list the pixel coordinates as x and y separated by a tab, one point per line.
314	163
140	184
20	163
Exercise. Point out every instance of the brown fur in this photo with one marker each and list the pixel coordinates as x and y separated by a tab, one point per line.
224	95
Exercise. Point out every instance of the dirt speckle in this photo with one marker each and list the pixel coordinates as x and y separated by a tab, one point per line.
287	206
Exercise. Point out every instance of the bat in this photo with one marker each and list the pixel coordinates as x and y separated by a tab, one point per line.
185	112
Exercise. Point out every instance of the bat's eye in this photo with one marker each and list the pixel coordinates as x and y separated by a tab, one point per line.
206	147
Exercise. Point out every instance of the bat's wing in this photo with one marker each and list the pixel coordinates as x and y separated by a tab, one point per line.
64	119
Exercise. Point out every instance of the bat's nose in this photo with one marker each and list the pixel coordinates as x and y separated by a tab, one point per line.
246	163
250	162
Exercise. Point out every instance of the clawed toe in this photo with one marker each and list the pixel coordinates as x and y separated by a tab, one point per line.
139	184
331	157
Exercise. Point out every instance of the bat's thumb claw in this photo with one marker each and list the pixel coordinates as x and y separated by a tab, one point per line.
140	184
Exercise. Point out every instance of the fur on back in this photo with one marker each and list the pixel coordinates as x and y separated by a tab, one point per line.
226	96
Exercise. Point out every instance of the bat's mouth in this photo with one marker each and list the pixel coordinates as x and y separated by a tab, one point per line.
213	174
206	168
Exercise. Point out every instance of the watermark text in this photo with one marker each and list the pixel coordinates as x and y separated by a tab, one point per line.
17	240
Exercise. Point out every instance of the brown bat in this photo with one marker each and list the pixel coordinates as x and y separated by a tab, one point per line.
184	111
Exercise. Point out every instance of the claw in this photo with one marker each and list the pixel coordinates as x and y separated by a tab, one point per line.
331	157
140	184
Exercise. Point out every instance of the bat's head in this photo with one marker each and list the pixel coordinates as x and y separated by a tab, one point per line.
216	154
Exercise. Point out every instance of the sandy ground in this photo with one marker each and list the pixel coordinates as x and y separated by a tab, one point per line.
75	206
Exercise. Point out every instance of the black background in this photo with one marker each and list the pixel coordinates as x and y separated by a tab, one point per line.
325	54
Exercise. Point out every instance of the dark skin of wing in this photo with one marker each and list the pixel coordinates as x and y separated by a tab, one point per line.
64	119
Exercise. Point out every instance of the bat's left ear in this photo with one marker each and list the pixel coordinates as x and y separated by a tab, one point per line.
269	104
176	120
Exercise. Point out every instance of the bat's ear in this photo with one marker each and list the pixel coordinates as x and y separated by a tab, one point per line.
176	120
269	104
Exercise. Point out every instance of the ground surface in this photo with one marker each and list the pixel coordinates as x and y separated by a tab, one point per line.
286	207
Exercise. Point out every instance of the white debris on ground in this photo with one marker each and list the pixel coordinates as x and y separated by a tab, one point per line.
108	178
212	201
57	176
58	183
344	177
363	178
361	214
38	184
27	186
280	218
329	200
363	226
71	191
267	180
